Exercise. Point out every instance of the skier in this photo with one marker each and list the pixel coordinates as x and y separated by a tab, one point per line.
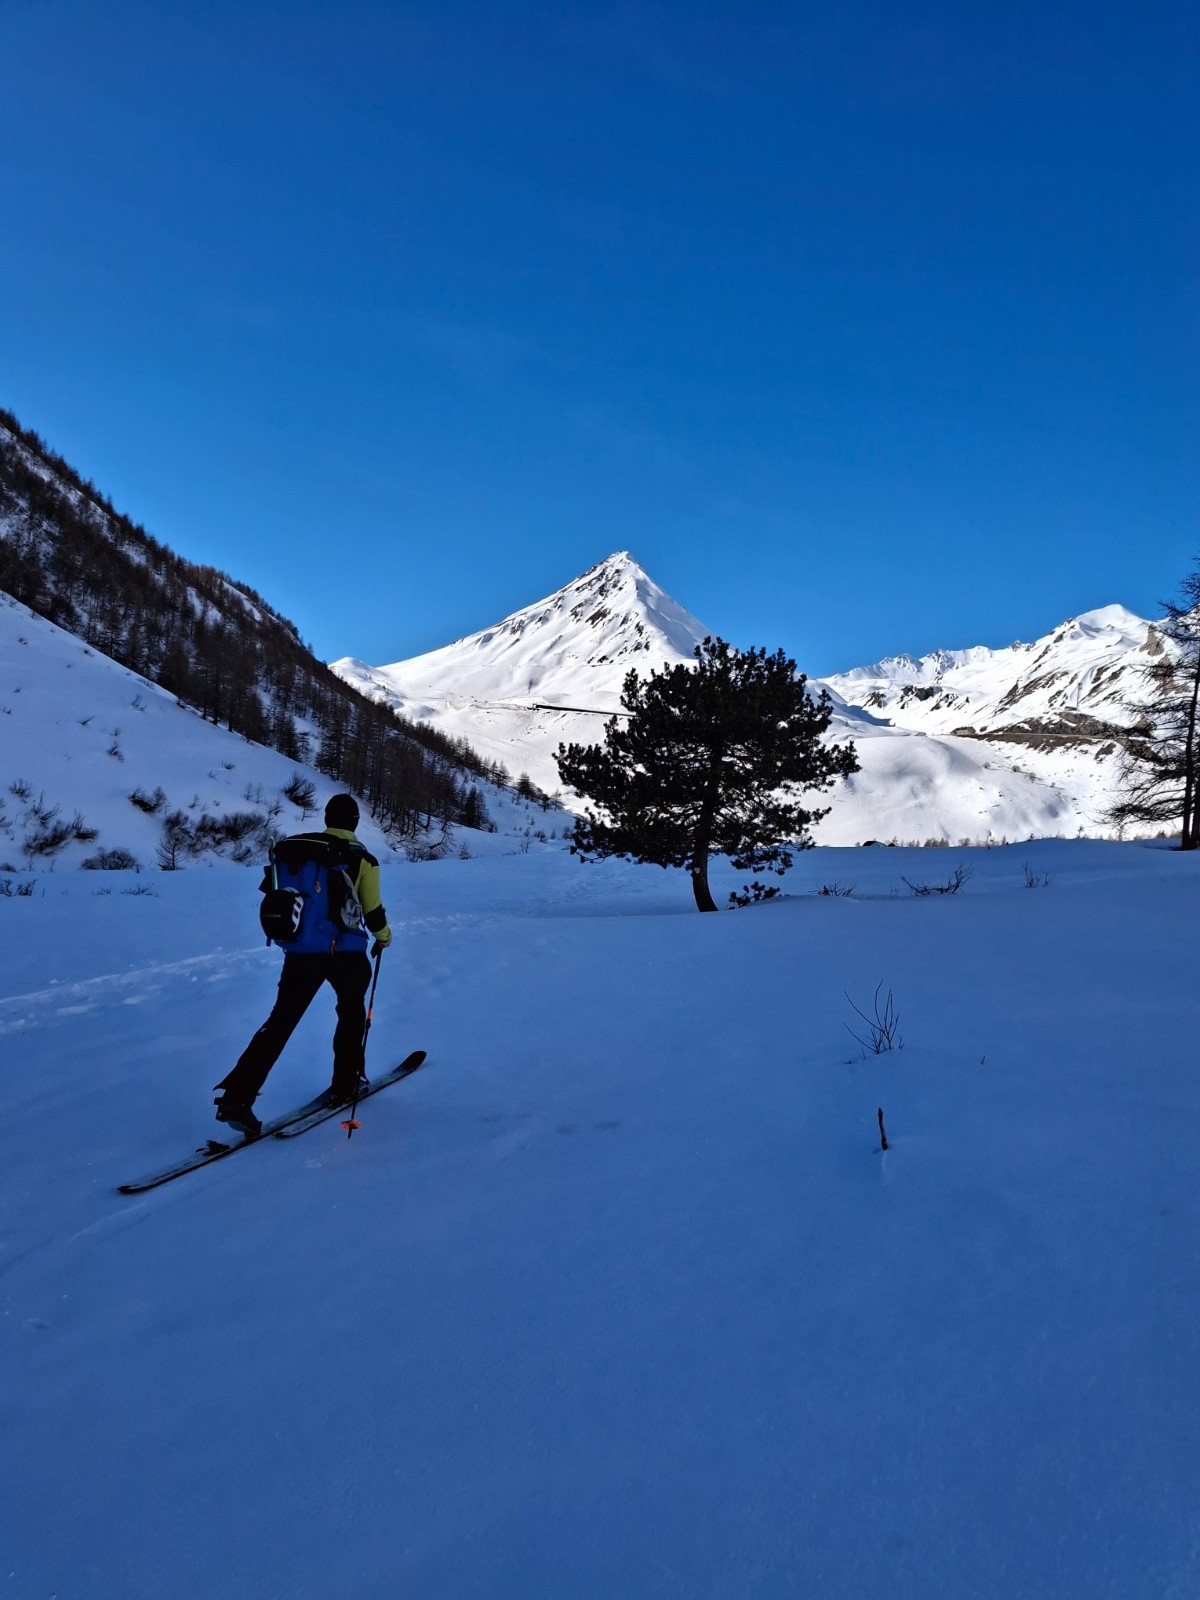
340	880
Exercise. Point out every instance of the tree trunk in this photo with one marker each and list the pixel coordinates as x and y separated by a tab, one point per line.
704	826
1189	834
704	899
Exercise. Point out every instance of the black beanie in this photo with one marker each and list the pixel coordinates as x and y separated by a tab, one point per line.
342	812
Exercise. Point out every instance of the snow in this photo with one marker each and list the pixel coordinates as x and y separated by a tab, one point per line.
978	744
550	673
583	638
618	1296
1090	663
65	708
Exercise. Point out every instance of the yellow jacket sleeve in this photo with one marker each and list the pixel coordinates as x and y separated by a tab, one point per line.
366	886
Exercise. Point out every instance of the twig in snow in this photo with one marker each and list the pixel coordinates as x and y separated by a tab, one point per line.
882	1028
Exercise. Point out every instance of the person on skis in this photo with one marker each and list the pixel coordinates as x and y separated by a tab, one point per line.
322	906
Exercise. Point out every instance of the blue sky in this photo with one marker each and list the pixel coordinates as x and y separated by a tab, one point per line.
865	327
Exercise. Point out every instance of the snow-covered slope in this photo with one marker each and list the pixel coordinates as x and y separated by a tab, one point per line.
1062	687
68	554
578	642
80	735
568	1321
548	673
970	744
997	743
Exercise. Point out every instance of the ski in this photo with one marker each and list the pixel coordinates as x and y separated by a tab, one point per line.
299	1118
216	1150
310	1119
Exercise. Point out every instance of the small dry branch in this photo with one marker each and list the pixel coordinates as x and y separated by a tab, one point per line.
954	883
882	1029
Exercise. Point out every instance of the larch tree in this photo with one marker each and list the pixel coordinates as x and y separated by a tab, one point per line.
710	759
1160	770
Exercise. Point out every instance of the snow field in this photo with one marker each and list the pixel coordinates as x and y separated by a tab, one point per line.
618	1295
66	708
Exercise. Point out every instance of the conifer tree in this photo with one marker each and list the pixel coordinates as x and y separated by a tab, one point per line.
709	759
1160	770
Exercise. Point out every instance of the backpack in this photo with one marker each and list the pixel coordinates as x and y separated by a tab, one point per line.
309	903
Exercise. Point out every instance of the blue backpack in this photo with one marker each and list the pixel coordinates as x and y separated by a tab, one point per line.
309	904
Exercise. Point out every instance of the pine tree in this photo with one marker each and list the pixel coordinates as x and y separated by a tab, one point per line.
707	760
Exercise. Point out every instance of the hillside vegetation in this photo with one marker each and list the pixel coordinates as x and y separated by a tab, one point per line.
68	554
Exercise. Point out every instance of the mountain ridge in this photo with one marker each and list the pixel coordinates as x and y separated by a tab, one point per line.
582	638
976	743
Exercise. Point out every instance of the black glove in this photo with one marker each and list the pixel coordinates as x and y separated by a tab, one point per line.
378	948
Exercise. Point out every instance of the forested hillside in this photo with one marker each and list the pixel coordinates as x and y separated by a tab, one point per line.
68	554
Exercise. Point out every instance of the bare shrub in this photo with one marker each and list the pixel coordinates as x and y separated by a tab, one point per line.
231	829
302	792
429	848
245	831
47	834
175	840
1035	880
882	1027
838	891
151	804
111	861
961	874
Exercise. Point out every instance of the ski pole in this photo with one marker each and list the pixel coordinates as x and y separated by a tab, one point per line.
350	1124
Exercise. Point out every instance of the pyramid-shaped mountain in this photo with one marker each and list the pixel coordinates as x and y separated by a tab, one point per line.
572	649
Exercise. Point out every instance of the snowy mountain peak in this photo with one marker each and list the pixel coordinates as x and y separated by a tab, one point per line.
1115	622
1071	684
612	611
572	648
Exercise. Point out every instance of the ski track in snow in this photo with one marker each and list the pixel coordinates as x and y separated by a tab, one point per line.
618	1295
67	1001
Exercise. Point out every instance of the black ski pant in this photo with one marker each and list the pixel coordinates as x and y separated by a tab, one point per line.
349	972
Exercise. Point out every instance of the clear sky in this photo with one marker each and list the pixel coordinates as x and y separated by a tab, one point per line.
867	327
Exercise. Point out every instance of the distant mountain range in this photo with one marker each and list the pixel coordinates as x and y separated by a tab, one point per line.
959	745
1070	687
973	744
